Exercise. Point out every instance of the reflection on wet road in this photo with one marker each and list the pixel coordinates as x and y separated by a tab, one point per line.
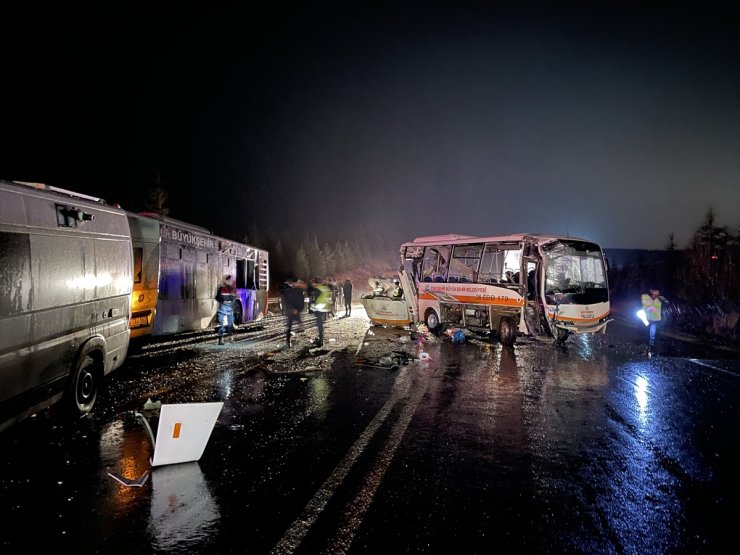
477	448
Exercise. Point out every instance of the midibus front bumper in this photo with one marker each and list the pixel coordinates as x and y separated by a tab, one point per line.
598	327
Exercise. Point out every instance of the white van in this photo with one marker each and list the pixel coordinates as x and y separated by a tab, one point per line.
65	298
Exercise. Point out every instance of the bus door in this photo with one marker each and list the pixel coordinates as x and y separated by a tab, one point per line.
410	275
532	269
245	285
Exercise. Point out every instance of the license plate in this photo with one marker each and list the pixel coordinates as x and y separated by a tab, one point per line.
139	322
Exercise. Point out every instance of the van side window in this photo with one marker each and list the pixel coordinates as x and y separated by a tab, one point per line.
69	216
138	260
15	273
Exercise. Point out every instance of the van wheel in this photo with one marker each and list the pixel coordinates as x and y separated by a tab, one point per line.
507	331
432	321
237	313
84	387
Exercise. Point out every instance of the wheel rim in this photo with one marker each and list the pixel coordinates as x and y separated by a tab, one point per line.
432	321
86	387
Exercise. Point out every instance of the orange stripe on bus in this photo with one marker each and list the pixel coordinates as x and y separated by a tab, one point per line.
176	431
474	300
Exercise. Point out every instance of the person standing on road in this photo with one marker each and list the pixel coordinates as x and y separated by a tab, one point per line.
225	295
292	305
320	296
347	293
652	304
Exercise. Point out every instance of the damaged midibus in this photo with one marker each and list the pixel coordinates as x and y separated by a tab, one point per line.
507	285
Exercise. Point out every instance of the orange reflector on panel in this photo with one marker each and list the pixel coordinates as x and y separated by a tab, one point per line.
176	430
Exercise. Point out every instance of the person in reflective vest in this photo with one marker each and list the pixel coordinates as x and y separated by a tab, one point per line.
320	305
652	304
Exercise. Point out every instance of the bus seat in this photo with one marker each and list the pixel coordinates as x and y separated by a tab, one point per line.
452	279
439	279
428	278
463	279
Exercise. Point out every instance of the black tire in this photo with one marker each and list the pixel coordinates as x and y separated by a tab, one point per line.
238	315
432	321
84	386
561	335
507	331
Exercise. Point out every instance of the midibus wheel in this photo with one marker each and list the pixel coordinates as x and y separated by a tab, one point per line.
432	321
561	335
237	313
84	387
507	331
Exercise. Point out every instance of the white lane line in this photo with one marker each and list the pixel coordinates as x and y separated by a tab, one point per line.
355	511
700	363
301	525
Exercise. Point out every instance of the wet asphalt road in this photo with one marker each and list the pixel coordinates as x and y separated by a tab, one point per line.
587	448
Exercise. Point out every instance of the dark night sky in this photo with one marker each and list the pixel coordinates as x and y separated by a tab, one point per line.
614	121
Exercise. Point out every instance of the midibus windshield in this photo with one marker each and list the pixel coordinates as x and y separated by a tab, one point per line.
575	269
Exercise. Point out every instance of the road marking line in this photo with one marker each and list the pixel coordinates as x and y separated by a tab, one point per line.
356	509
700	363
301	525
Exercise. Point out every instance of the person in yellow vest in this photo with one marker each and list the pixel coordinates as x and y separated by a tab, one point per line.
652	304
320	295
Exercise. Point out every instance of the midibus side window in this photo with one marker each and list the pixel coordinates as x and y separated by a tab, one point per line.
434	267
499	265
464	263
412	260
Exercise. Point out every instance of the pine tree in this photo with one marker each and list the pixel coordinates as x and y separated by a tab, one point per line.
330	259
157	197
340	261
706	255
315	259
300	266
350	260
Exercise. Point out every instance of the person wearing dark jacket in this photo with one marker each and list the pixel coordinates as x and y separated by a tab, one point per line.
293	292
347	293
225	295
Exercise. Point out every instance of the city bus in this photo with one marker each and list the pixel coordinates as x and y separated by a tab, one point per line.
526	284
177	268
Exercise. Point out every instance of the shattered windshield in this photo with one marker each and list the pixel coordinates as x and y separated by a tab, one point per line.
574	267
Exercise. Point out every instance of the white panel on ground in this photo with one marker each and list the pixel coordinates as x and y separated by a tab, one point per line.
183	432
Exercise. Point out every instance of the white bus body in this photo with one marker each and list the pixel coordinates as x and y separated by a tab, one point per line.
177	269
529	284
65	294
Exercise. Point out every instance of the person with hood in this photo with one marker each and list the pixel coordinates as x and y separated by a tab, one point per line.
225	295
